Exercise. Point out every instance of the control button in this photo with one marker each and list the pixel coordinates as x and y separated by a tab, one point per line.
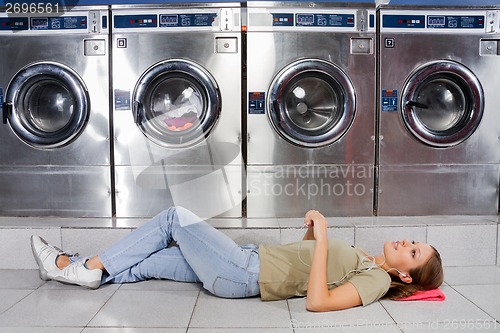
226	45
389	43
361	45
94	47
121	43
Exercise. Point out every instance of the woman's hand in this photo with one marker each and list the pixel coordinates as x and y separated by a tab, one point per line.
316	226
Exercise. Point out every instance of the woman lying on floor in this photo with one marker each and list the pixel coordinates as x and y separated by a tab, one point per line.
333	274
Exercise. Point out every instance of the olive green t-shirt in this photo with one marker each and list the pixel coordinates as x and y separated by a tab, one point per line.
284	270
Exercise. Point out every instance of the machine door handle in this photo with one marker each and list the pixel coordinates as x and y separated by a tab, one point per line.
138	109
276	107
416	104
6	111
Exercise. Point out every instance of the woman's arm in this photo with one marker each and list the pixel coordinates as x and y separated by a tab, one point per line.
319	298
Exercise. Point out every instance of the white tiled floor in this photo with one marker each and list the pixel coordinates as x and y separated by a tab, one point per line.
28	304
469	245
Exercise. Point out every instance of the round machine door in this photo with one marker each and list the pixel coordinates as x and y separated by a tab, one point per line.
176	103
311	103
47	105
442	103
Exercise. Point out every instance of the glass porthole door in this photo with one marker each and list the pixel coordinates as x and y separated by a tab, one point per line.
47	105
176	103
311	103
442	103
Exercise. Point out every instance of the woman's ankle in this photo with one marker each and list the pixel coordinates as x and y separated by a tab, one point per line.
62	261
94	263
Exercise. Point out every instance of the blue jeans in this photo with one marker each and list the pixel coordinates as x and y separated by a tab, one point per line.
202	254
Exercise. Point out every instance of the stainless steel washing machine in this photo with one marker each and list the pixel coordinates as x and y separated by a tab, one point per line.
439	135
55	142
177	109
311	108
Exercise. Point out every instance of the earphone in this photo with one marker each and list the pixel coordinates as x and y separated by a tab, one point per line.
397	270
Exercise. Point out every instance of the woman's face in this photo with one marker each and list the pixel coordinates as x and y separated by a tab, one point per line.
406	255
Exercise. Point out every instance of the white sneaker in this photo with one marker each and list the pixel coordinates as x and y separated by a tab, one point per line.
45	256
76	273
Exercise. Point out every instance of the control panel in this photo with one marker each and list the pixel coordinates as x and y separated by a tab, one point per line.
220	20
476	21
325	20
263	19
87	22
14	23
58	23
136	21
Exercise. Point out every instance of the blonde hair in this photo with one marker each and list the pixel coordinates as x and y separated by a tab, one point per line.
426	277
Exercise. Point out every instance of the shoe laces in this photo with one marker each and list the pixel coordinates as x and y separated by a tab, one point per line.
65	253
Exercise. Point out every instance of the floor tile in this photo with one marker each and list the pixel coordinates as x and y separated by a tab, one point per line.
371	239
98	222
132	330
291	235
455	307
465	275
9	297
90	242
15	249
147	308
472	245
332	222
41	329
394	221
261	223
253	236
54	285
359	316
381	328
218	312
36	222
20	279
487	297
132	222
56	308
450	220
240	330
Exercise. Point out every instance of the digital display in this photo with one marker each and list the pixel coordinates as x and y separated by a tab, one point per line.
39	23
187	20
436	21
169	19
305	19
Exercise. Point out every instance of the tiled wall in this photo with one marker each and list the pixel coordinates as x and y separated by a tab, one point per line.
462	241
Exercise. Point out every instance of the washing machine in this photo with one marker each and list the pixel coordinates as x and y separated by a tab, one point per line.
439	146
311	108
177	109
54	91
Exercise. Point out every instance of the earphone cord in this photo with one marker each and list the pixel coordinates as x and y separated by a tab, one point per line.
363	260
